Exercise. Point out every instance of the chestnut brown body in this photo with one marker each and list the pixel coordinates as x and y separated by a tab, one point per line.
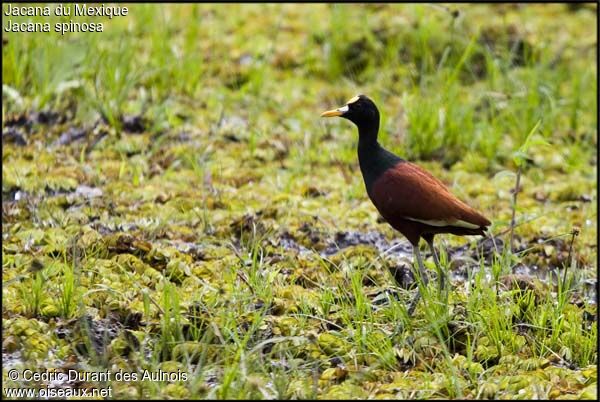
417	204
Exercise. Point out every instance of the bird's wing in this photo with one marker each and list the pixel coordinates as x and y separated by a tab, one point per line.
409	192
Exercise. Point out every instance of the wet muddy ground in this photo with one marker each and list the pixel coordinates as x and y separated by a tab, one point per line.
93	240
114	327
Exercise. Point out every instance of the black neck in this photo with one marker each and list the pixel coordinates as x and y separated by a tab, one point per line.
373	159
367	135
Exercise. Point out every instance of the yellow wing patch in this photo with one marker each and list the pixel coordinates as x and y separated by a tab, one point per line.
440	223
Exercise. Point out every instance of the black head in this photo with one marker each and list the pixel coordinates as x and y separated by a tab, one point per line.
361	111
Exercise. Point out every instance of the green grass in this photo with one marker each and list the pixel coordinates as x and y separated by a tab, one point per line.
184	261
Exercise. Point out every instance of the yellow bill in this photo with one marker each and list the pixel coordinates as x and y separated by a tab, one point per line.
335	112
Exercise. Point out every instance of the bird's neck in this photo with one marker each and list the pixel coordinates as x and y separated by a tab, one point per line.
368	148
374	160
367	136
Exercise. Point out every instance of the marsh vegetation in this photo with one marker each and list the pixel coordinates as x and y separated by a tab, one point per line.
172	201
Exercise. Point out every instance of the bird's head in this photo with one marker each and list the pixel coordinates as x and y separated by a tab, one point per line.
361	111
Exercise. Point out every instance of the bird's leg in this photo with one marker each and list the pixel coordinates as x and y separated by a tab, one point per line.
421	277
441	273
422	271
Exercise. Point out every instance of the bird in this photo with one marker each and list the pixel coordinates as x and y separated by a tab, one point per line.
408	197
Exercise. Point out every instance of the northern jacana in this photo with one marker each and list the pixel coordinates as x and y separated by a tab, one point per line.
408	197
